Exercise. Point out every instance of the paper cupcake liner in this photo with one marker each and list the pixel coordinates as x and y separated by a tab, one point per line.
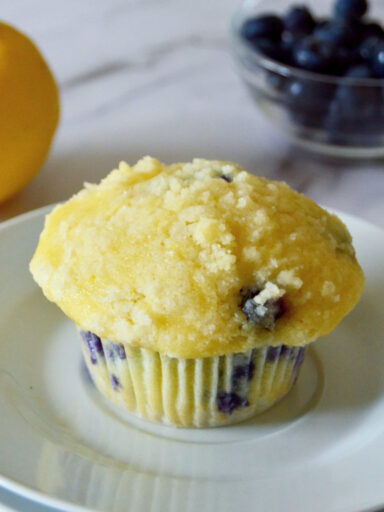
202	392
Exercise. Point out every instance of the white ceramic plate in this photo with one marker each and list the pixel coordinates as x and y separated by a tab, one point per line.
320	449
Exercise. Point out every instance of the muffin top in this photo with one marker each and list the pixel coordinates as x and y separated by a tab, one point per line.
197	260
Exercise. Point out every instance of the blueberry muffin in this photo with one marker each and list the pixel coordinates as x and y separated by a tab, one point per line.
196	287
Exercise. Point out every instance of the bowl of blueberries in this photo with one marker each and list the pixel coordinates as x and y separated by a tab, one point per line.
316	71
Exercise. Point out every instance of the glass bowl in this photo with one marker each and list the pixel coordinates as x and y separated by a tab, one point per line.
333	115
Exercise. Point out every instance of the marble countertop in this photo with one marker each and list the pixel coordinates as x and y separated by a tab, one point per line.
156	77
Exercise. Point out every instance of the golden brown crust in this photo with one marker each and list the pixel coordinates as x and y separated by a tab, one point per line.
156	256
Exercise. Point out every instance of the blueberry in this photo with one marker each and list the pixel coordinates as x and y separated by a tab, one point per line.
115	350
264	315
356	110
93	344
266	47
346	57
119	350
322	21
272	49
115	382
228	402
336	33
308	101
267	26
377	60
273	353
228	179
248	293
350	9
315	55
367	48
286	351
110	353
243	371
299	359
286	49
359	71
372	29
299	21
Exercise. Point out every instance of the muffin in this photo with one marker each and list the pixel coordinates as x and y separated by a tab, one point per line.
196	287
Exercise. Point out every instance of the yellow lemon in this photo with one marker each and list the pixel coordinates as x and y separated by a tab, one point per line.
29	110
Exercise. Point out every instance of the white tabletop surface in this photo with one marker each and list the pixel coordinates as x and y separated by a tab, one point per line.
155	77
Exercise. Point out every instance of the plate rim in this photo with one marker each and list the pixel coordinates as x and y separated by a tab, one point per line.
17	219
